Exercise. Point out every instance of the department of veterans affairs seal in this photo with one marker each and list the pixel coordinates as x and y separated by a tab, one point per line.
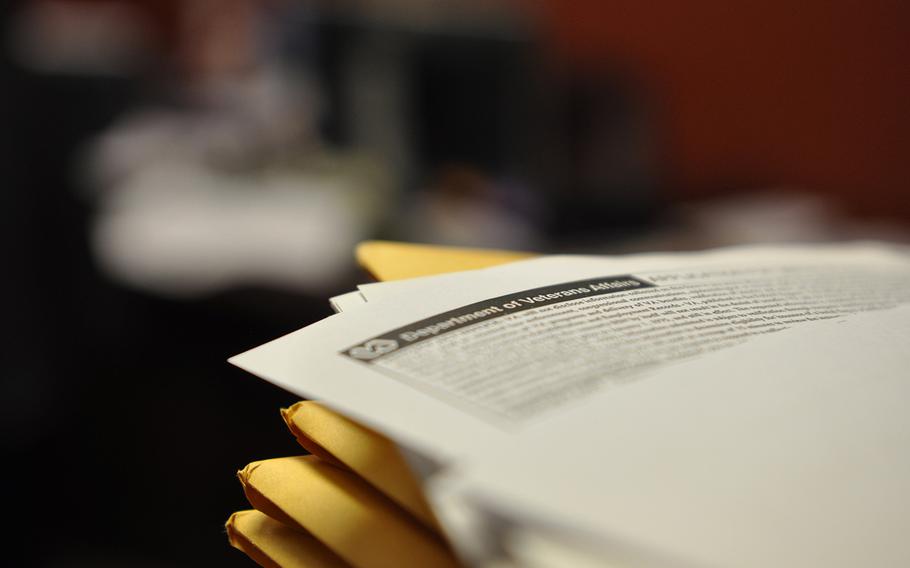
373	348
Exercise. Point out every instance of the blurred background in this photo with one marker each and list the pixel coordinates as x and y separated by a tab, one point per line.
186	179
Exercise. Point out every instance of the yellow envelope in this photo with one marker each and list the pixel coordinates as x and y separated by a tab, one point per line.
387	260
343	512
276	545
370	455
360	499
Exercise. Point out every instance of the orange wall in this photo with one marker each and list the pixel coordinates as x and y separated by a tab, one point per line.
749	92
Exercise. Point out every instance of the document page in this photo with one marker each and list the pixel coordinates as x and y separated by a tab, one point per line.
789	450
442	362
514	356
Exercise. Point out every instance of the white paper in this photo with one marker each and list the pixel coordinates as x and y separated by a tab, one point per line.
347	302
417	399
698	409
789	450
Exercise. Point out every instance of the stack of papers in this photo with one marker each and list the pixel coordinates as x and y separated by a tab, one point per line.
736	407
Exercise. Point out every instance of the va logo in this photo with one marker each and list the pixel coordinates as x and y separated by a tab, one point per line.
373	348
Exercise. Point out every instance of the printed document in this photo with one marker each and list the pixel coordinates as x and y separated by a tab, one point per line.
790	450
441	363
